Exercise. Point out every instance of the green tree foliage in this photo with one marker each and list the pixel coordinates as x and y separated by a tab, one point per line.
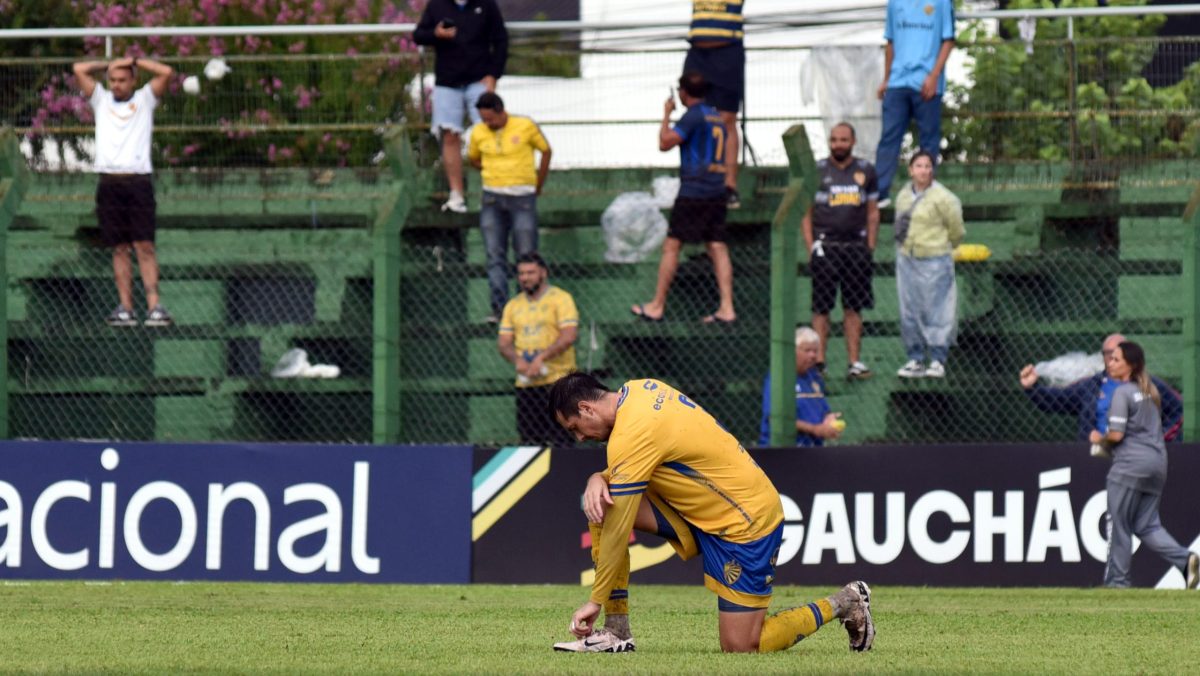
1081	99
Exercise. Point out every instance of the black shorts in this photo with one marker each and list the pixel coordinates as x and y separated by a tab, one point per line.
698	219
125	207
724	68
845	265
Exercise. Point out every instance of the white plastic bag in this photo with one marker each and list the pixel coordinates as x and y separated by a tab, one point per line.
294	364
634	227
1070	367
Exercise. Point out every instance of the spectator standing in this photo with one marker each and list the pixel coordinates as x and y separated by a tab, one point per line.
929	224
502	148
1090	398
698	214
814	422
537	335
471	46
1139	470
920	37
840	230
125	204
718	53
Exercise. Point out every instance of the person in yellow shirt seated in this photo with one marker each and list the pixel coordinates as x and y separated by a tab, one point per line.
502	148
676	472
537	335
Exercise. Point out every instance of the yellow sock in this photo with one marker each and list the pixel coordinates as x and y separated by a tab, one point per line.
618	600
786	628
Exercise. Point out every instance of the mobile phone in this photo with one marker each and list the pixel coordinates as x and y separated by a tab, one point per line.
447	23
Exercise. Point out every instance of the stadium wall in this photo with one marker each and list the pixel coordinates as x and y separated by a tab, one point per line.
938	515
261	512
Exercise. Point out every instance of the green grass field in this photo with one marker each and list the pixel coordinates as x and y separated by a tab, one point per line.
199	627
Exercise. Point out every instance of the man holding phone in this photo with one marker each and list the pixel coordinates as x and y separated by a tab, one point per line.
471	46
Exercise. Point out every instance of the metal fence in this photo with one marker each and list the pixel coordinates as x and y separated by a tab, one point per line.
1078	179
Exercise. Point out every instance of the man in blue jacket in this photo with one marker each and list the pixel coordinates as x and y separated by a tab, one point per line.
814	421
1089	398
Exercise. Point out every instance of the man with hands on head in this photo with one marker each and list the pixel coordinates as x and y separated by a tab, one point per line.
125	205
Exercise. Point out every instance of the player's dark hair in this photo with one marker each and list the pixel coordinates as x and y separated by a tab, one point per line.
533	257
694	84
490	101
571	389
843	123
1135	356
922	153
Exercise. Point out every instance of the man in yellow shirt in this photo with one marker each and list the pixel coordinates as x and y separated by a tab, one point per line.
502	148
537	335
674	471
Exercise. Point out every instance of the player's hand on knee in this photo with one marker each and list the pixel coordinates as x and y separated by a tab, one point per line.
596	498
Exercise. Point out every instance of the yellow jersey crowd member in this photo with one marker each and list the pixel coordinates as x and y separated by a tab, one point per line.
538	329
502	148
674	471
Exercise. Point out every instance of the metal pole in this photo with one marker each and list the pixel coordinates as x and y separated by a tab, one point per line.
108	46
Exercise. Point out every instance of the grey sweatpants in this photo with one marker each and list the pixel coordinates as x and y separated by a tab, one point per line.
1133	512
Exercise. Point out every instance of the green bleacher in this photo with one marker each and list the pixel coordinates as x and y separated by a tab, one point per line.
255	262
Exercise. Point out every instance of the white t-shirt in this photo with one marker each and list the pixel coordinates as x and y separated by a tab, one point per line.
123	130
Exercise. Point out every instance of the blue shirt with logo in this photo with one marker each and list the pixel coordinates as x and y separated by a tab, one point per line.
811	407
701	156
916	29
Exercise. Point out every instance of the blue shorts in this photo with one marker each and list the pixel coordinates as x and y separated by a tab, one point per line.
740	574
452	104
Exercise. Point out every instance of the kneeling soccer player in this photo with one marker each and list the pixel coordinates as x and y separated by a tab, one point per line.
674	471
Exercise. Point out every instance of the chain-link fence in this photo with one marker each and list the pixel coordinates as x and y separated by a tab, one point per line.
257	262
252	267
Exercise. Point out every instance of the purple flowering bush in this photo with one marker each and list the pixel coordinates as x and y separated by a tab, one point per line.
305	100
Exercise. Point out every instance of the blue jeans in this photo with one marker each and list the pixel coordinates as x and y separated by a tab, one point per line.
900	105
500	215
928	305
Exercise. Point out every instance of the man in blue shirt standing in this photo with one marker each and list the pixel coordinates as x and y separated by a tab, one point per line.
699	211
814	422
920	36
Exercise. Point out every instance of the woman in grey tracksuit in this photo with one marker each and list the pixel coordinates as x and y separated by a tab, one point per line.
1139	470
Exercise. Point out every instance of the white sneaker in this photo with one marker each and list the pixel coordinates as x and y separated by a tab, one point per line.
601	641
936	369
912	369
884	203
456	203
1193	570
858	371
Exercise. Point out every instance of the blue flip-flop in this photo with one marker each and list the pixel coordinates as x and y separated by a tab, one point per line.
640	312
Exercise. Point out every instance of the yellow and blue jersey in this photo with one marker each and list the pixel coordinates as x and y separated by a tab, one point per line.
535	325
507	153
717	21
663	441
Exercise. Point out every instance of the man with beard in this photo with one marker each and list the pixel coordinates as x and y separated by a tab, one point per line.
125	203
840	230
537	335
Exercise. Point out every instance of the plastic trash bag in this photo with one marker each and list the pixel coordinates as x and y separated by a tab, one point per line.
294	364
1069	368
665	189
634	226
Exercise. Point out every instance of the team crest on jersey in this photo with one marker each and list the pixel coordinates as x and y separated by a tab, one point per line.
733	571
770	579
928	10
860	178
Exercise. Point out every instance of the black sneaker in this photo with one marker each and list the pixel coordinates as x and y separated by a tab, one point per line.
159	317
121	317
732	199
